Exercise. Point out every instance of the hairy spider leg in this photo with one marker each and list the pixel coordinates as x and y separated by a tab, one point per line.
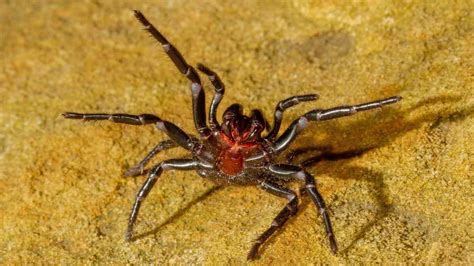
174	132
290	209
282	106
319	115
310	187
219	89
155	172
139	168
198	95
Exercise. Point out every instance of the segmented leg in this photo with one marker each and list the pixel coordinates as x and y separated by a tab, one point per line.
155	172
219	93
310	187
174	132
142	119
289	210
319	115
198	96
138	169
282	106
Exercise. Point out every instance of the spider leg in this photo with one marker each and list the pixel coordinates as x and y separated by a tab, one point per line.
170	129
319	115
138	120
284	170
289	210
198	96
138	169
219	93
282	106
155	172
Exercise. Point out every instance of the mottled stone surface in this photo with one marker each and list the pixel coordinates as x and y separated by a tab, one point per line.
63	195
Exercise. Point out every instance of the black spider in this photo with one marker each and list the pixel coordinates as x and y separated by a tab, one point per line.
233	152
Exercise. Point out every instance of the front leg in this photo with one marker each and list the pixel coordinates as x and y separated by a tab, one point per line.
155	172
219	93
280	109
285	170
198	96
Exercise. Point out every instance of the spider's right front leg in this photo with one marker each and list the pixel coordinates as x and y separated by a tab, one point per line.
155	172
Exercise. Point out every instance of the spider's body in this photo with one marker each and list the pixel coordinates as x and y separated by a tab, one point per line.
233	151
238	139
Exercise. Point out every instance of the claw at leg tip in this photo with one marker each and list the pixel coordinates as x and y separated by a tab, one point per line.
333	248
128	237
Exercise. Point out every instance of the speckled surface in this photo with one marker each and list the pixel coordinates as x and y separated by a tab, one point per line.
63	195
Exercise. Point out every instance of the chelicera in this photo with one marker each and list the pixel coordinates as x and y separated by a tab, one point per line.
233	151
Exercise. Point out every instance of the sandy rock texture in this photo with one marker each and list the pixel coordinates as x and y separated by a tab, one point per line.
64	199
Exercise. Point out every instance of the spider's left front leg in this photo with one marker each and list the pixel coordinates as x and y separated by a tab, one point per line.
285	170
289	210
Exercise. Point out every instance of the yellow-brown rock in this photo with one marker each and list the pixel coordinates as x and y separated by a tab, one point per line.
64	199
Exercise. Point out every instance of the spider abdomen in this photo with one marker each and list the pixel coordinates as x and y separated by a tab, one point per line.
231	161
232	155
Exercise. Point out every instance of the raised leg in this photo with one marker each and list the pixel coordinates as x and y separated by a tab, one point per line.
310	187
155	172
198	96
282	106
219	93
319	115
138	169
170	129
289	210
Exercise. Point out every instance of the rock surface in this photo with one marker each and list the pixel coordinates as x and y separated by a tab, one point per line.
63	195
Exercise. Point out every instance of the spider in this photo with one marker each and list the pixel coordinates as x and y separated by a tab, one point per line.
234	151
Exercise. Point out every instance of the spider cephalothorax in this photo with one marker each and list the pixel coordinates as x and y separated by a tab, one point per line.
239	137
234	151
